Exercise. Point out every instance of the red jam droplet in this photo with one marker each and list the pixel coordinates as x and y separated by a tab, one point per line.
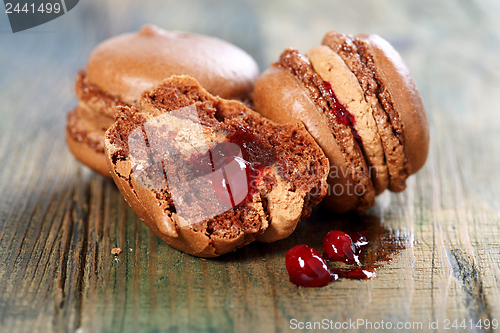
307	268
367	241
358	239
359	273
338	246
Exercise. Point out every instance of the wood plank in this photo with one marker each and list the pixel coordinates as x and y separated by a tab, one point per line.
59	221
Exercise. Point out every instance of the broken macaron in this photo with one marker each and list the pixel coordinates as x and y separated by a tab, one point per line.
209	175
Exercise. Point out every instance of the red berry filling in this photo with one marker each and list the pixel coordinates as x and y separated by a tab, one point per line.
307	268
234	167
340	111
338	246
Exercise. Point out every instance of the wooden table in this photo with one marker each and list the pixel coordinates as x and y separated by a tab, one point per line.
59	221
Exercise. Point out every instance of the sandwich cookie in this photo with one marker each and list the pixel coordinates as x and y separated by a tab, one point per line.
356	97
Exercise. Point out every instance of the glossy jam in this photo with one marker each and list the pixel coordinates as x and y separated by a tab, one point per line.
346	247
254	149
365	240
358	239
234	166
357	273
307	268
339	246
340	111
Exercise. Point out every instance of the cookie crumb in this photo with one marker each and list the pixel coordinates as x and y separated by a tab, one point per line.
116	251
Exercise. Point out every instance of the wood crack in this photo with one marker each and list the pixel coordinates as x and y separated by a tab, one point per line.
466	272
68	302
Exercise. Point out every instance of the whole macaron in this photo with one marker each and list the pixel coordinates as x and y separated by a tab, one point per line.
121	68
356	97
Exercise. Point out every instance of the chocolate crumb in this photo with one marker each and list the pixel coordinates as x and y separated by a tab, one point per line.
116	251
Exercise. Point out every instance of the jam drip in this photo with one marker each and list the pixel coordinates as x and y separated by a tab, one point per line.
319	91
254	149
307	268
347	248
353	254
340	112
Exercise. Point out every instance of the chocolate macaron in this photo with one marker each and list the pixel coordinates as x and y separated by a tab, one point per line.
358	100
120	69
208	175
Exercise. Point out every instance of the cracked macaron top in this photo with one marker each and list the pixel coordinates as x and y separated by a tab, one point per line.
209	175
356	97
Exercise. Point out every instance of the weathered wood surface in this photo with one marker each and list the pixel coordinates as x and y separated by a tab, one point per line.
59	221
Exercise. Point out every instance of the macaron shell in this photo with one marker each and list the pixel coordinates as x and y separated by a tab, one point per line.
129	64
279	97
330	66
178	234
285	209
359	57
406	98
284	205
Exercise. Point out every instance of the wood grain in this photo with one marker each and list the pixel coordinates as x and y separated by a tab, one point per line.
59	221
